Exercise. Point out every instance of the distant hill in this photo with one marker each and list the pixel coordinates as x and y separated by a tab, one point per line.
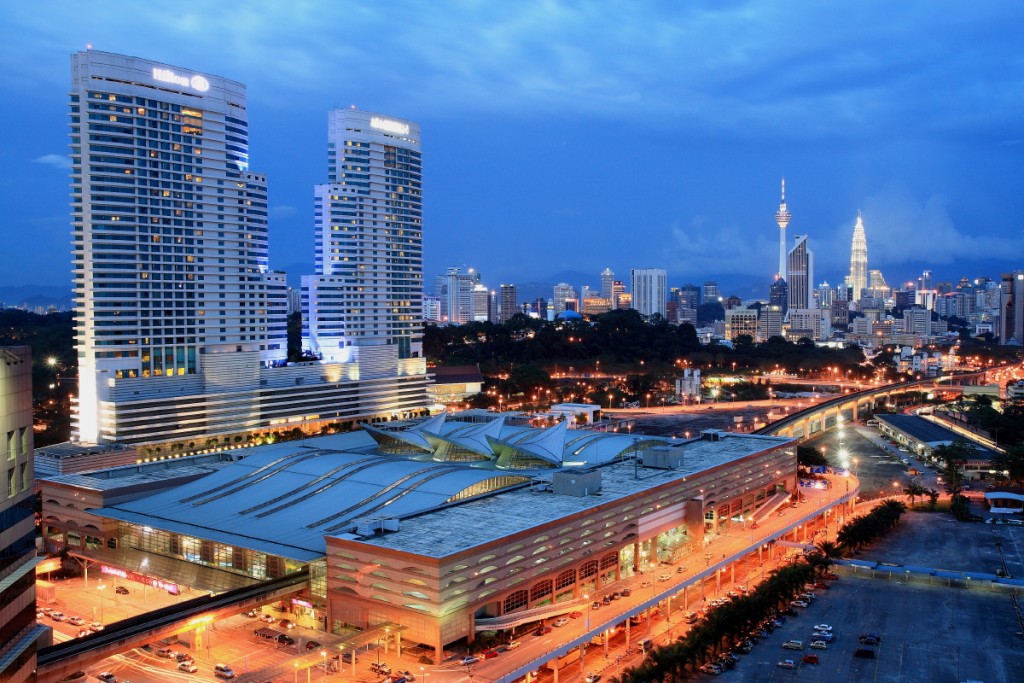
36	297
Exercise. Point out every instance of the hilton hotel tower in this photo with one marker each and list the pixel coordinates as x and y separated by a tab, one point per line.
180	324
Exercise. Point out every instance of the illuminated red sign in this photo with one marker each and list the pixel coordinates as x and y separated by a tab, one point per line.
171	588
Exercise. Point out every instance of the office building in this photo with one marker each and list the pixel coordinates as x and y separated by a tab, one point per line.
1011	308
800	266
710	293
812	323
778	294
741	321
650	291
507	303
175	310
858	280
562	292
18	628
782	218
607	283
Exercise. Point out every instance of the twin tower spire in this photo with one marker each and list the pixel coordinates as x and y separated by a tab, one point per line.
858	278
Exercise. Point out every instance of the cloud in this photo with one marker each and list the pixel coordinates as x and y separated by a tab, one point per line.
56	160
700	249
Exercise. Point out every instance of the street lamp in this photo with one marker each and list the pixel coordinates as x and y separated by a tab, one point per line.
610	401
323	653
100	590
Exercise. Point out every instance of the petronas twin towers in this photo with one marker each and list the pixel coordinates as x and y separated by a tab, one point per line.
857	280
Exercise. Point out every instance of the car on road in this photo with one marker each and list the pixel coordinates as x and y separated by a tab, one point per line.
559	623
793	645
107	677
818	645
800	603
286	623
166	653
595	605
626	592
466	661
76	621
786	664
95	626
646	583
82	633
514	644
822	627
680	569
489	653
283	639
664	577
223	671
188	667
266	618
542	631
312	645
592	678
252	614
121	590
575	615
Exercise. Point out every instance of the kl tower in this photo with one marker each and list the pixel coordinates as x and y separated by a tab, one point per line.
782	218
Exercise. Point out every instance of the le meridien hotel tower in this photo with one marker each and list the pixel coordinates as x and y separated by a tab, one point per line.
180	326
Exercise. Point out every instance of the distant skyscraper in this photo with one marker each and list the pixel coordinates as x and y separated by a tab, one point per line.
562	293
801	274
925	281
175	310
607	282
650	291
710	293
456	291
17	510
778	295
506	303
859	260
782	217
1011	308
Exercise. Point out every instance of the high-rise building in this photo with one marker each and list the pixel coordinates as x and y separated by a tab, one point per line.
778	295
740	321
607	282
18	628
506	303
858	260
710	292
650	291
878	288
621	299
1011	308
481	303
800	267
562	293
455	289
175	307
782	218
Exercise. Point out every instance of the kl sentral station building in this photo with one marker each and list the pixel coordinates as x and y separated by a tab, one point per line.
435	528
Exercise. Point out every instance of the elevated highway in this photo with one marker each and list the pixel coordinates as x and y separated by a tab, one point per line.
57	661
806	423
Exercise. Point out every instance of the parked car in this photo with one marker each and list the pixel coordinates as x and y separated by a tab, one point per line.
810	659
283	639
799	603
489	653
712	669
542	631
380	668
786	664
822	635
466	661
592	678
121	590
793	645
252	614
107	677
874	639
559	623
95	626
82	633
76	621
818	645
575	615
822	627
267	618
312	645
286	623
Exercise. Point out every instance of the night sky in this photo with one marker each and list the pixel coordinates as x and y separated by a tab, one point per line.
574	136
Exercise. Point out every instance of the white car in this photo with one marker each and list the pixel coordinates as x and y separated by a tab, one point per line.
819	645
561	622
799	603
787	664
822	635
793	645
822	627
665	577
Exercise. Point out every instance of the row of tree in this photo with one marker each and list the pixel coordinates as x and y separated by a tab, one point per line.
731	623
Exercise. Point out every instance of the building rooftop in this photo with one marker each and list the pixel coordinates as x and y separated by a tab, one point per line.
927	432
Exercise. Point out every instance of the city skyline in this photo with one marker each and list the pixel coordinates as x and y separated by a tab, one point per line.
508	134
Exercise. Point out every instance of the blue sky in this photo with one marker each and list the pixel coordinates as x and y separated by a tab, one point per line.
574	136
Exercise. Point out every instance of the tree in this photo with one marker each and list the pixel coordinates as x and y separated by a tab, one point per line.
913	490
1010	464
952	459
808	456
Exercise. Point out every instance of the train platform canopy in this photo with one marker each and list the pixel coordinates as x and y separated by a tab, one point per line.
926	432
